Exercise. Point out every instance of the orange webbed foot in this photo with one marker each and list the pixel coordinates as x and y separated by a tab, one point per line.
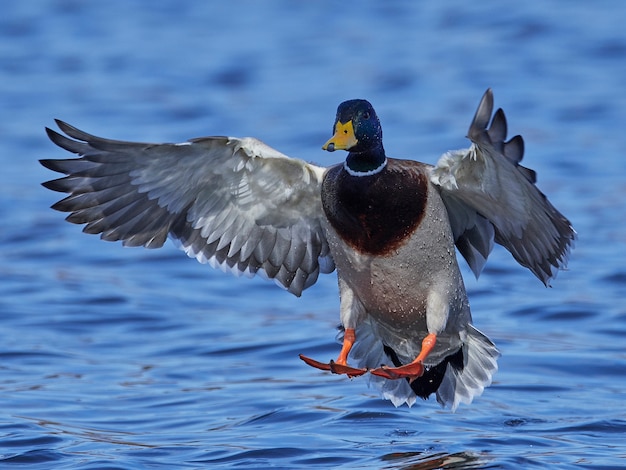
410	371
414	369
341	366
334	367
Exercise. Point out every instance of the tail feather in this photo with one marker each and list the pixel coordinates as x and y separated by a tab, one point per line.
481	362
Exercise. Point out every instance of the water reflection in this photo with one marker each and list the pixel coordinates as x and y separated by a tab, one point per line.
426	461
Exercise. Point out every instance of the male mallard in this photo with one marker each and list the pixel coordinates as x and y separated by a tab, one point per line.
389	227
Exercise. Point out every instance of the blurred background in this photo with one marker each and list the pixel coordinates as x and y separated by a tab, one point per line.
130	358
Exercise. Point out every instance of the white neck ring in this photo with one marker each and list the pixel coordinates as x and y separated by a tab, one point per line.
351	172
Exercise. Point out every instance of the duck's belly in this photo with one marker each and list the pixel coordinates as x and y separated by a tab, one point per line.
395	289
397	294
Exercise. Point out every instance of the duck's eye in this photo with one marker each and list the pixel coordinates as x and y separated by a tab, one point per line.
366	115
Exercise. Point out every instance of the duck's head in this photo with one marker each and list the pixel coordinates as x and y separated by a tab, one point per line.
357	130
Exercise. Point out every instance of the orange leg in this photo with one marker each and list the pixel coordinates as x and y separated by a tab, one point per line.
341	365
414	369
349	337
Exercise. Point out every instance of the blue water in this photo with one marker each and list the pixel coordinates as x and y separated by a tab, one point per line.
114	357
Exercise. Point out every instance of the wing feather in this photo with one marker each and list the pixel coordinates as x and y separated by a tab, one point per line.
487	183
236	204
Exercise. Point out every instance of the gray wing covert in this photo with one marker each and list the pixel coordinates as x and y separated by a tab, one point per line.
236	204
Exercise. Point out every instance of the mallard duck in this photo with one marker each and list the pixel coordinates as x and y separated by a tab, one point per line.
388	226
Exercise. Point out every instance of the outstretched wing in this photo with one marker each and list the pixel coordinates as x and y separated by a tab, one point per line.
236	204
490	196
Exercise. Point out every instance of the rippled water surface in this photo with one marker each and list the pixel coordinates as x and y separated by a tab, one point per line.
129	358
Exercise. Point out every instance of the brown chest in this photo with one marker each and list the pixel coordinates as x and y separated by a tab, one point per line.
378	213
